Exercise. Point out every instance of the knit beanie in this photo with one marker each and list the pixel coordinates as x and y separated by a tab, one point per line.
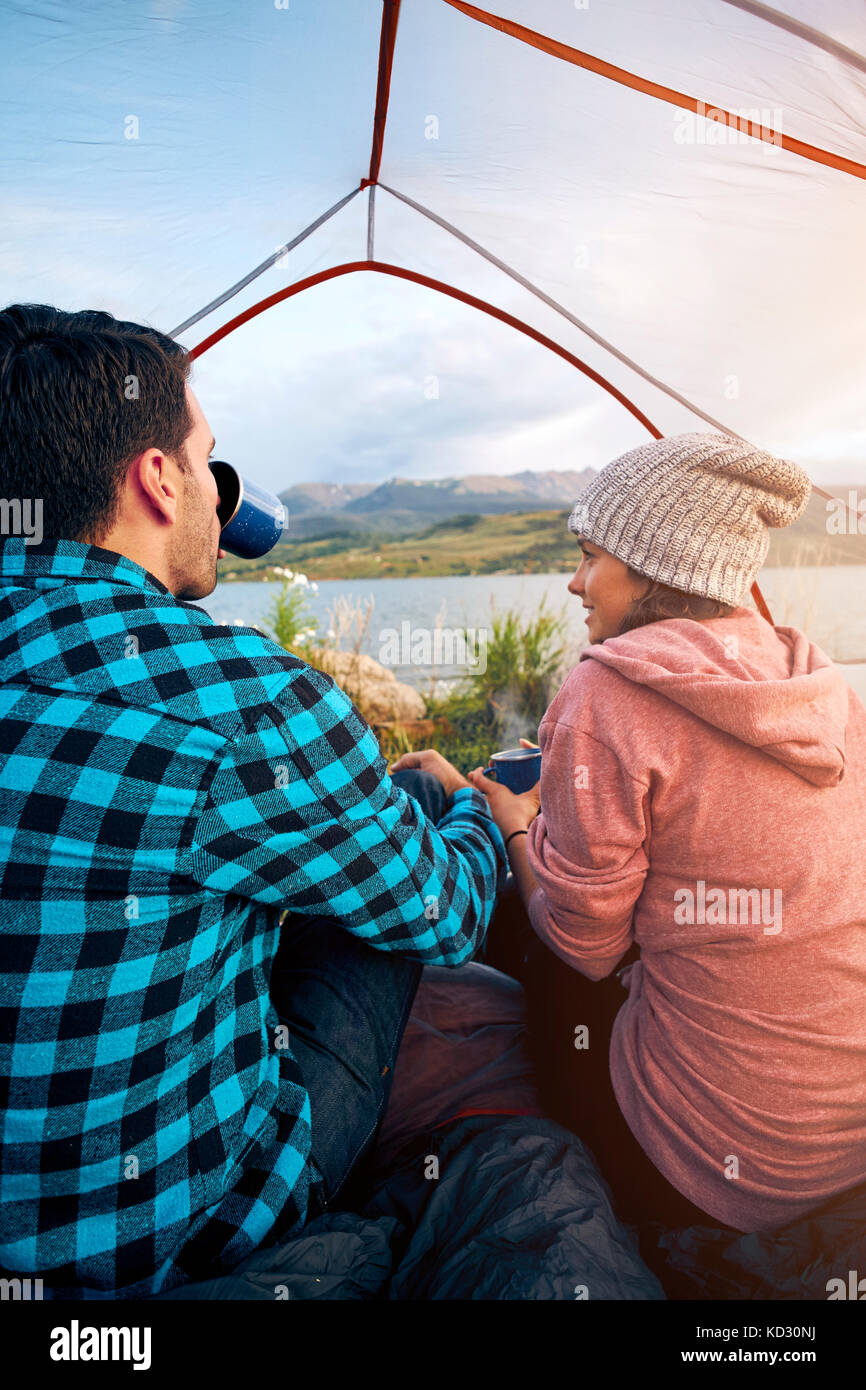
692	511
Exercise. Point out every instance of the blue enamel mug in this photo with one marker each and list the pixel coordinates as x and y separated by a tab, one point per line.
252	519
516	768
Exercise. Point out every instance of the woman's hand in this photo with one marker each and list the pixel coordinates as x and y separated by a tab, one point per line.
428	760
510	810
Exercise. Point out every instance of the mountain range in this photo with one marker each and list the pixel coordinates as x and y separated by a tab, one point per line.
372	514
402	505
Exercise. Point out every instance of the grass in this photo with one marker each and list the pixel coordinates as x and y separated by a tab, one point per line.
514	543
511	543
477	714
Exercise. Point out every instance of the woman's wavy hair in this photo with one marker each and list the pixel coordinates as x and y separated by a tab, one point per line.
662	601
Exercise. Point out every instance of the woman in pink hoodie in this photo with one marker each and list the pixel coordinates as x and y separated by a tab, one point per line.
702	826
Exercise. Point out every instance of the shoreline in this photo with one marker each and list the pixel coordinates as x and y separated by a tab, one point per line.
262	575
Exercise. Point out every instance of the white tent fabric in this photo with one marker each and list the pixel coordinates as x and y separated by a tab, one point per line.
680	240
719	276
679	253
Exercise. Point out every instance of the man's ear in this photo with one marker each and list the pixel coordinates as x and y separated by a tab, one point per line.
152	480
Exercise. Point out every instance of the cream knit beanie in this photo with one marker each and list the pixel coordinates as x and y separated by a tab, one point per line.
692	511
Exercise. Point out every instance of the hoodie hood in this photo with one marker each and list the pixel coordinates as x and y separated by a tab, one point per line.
769	687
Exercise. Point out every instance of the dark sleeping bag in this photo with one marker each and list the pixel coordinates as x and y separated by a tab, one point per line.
518	1210
820	1256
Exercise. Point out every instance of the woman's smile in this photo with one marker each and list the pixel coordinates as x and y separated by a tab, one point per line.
612	585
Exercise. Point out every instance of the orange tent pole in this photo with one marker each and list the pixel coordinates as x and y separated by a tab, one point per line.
655	89
390	17
402	272
384	268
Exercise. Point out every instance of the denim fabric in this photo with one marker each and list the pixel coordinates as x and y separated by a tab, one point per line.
346	1005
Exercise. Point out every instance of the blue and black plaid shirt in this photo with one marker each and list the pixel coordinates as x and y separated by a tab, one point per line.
168	787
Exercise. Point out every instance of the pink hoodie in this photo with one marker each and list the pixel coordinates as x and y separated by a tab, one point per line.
703	788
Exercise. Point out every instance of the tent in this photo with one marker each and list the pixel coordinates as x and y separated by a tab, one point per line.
668	196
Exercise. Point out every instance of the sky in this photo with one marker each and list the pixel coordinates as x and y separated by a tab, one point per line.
155	151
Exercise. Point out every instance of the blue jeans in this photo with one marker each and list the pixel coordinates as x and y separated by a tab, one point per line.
346	1006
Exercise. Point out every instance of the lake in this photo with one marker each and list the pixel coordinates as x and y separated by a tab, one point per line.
827	602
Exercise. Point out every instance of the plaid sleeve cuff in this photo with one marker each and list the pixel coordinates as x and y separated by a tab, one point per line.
470	804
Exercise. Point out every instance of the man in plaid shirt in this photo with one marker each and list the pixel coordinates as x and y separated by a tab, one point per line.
178	800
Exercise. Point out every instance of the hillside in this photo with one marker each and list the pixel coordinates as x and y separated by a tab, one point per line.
323	498
525	542
528	542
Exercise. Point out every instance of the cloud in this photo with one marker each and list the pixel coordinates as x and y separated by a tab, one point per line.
446	392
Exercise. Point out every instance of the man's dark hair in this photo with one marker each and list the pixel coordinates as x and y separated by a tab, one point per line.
81	396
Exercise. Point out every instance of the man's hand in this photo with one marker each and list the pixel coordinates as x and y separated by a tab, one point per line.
428	760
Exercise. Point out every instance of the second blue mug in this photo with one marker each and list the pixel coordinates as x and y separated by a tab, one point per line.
252	519
516	768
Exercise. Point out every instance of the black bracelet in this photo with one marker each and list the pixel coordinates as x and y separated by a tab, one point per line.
512	835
